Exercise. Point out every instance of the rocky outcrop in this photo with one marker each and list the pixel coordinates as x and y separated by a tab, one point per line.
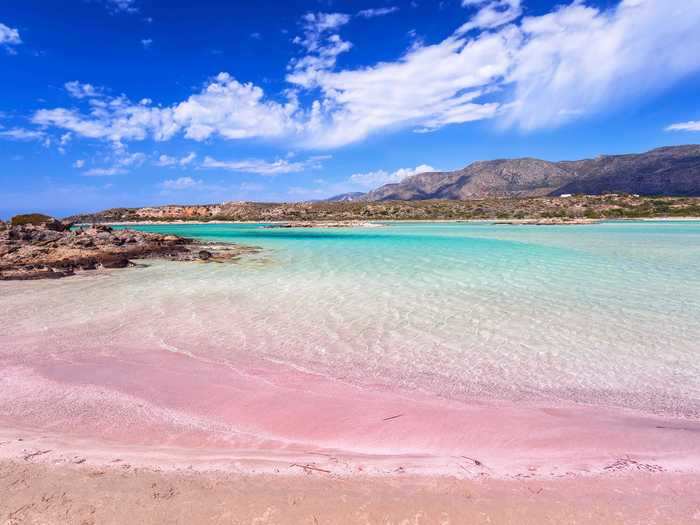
52	250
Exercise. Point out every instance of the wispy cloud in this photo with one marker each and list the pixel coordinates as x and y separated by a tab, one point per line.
263	167
104	172
373	179
79	90
692	125
121	6
21	134
491	14
168	161
146	43
380	11
531	73
322	44
181	183
9	37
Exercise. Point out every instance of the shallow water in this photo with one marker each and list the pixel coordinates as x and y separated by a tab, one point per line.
604	314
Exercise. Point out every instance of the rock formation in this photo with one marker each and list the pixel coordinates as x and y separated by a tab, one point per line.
50	249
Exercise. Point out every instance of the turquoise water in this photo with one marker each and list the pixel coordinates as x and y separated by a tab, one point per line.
602	313
605	314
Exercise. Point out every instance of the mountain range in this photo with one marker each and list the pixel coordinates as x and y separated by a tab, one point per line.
673	170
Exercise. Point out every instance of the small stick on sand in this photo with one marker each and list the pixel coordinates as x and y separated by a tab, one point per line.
35	454
392	417
309	467
475	461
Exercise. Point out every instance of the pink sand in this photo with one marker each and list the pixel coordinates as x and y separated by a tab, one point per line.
175	405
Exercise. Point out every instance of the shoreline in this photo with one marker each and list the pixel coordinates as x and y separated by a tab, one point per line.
399	221
261	418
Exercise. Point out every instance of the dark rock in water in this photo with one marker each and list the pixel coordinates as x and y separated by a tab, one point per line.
114	261
204	255
88	264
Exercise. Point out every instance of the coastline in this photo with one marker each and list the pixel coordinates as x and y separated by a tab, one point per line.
398	221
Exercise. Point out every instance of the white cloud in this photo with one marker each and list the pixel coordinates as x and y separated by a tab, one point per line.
104	172
121	6
429	87
492	14
181	183
232	110
531	73
21	134
9	37
379	11
316	24
134	159
79	90
692	125
224	107
580	60
263	167
322	45
167	160
374	179
80	163
146	43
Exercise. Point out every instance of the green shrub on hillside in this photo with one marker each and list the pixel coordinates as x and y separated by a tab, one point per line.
30	218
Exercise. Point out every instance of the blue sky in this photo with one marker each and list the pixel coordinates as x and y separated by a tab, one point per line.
139	102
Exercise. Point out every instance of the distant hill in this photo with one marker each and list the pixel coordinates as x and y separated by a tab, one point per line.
668	171
346	197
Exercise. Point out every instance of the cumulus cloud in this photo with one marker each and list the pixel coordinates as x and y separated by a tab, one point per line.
104	172
315	25
9	37
232	110
322	45
224	107
181	183
80	163
263	167
167	160
133	159
531	73
379	11
492	14
21	134
692	125
78	90
121	6
374	179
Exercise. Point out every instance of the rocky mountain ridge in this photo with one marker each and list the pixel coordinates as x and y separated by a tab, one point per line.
667	171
